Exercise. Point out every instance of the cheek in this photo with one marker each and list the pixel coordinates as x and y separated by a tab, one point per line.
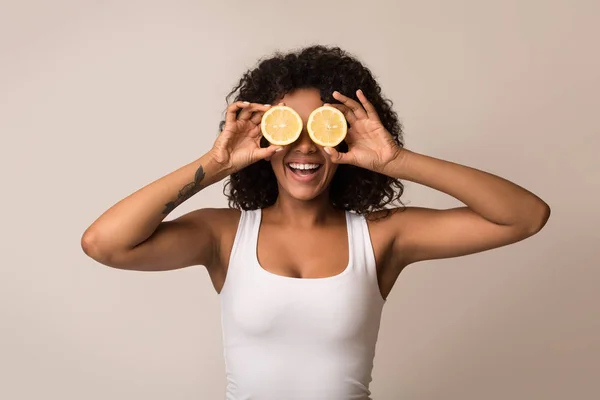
332	169
276	161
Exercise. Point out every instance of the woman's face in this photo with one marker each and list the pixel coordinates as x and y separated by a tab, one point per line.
288	164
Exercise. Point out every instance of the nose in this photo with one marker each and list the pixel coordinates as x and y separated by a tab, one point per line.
304	144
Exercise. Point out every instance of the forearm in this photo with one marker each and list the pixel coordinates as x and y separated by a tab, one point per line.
494	198
133	219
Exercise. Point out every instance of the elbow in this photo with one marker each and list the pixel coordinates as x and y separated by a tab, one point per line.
90	244
95	246
538	218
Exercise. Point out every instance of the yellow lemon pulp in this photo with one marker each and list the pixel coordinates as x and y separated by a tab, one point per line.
281	125
327	126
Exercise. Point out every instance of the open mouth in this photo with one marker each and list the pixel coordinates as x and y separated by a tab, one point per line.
304	170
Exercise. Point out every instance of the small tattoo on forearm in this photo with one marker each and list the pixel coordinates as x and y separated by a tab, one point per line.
187	191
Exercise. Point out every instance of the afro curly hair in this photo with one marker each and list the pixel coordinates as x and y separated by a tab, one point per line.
327	69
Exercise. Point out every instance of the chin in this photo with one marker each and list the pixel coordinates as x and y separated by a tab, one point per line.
303	194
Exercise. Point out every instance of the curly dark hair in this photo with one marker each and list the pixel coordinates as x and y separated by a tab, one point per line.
326	69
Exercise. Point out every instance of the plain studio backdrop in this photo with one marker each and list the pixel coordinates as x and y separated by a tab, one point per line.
99	98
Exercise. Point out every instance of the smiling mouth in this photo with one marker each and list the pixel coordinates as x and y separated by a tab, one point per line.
304	169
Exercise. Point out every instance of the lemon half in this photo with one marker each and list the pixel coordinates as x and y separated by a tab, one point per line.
327	126
281	125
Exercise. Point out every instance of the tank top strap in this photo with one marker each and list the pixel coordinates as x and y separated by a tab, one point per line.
362	248
246	234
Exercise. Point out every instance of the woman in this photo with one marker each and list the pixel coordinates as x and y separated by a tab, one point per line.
312	243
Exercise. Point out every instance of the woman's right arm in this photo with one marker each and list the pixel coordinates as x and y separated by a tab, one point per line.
132	233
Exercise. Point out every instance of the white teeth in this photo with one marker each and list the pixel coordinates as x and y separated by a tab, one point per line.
304	166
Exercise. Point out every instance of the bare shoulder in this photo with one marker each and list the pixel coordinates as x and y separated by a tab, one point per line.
383	231
223	223
386	226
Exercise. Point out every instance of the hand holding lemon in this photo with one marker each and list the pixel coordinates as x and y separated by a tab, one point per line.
238	145
370	145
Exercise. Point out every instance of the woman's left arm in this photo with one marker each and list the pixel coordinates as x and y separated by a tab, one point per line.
498	212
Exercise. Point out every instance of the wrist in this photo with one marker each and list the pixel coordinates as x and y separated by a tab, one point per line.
216	167
396	167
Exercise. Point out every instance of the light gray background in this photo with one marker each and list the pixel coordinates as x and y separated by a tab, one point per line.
99	98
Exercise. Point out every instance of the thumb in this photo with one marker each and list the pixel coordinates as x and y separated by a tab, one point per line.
267	152
337	157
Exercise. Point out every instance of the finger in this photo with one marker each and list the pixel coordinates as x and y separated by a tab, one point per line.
232	110
267	152
369	108
257	116
355	106
247	112
348	113
255	132
337	157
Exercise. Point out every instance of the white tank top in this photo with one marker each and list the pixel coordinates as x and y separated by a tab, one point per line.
293	338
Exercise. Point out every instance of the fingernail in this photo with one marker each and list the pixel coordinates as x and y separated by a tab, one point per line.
279	149
326	149
246	102
267	105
